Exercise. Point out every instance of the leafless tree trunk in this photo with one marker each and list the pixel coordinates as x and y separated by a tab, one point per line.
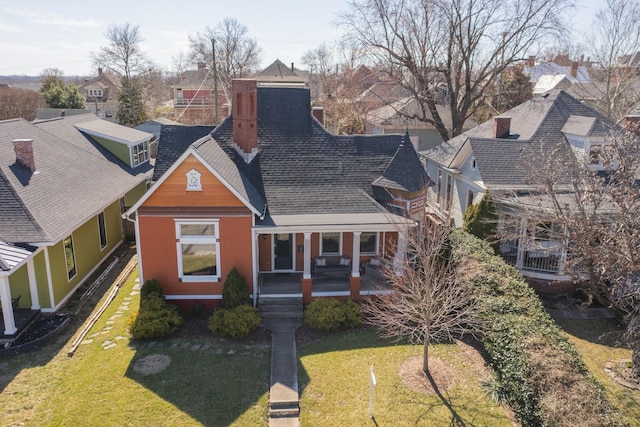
428	303
454	46
122	54
237	55
615	41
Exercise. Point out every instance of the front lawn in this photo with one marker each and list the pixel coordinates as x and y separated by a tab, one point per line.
208	381
334	375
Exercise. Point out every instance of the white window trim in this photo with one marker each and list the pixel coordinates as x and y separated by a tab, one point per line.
106	236
322	252
377	243
205	240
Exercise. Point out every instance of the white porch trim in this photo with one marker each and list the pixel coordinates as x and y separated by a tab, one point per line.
7	309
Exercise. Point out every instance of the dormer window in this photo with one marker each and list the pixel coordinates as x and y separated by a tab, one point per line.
600	156
97	93
140	153
595	152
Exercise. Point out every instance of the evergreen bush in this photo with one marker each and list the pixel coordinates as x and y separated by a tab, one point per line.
237	322
155	318
234	292
330	315
481	220
538	371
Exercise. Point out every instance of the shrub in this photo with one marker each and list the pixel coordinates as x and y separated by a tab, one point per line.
235	292
331	314
155	318
481	219
237	322
538	371
151	286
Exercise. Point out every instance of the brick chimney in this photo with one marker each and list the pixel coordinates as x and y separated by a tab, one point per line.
632	124
574	69
501	127
531	62
245	117
318	113
24	153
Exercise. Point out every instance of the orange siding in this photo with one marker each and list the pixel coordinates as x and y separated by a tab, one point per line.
173	191
160	260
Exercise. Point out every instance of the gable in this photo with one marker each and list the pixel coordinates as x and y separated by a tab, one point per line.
172	191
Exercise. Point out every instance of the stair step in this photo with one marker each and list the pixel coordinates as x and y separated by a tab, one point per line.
284	409
280	307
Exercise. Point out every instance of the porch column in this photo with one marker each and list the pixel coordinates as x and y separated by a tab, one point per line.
7	309
307	256
521	240
255	267
33	285
355	263
401	252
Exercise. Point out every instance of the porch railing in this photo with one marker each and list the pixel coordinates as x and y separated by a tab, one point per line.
541	256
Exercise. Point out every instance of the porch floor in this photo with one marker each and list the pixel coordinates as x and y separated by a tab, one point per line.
290	284
23	317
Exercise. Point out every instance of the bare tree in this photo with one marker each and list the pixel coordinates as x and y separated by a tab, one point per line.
237	55
122	55
428	303
15	103
615	42
459	46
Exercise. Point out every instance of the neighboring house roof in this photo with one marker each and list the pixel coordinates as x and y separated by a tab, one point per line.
384	92
153	126
11	255
302	172
551	68
544	120
394	115
278	72
75	178
551	81
50	113
194	79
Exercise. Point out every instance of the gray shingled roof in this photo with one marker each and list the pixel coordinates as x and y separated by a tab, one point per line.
301	169
542	120
75	179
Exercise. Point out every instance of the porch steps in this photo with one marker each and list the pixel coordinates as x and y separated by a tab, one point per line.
280	307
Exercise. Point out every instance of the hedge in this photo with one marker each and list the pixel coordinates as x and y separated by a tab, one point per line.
538	371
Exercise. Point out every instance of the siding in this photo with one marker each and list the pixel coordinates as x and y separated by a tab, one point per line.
120	150
160	258
172	191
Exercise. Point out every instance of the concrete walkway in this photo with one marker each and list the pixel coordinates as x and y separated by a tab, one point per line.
284	403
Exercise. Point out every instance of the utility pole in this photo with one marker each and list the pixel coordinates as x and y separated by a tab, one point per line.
215	81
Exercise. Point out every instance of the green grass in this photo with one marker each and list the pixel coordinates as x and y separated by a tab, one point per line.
334	378
595	339
208	382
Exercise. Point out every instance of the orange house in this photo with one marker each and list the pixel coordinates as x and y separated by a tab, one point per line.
298	211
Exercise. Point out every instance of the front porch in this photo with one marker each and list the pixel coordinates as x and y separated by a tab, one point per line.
272	285
23	317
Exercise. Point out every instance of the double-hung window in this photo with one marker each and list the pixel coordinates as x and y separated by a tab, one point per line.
198	248
331	243
140	153
368	242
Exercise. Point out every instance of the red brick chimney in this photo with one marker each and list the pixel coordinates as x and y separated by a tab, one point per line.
318	113
531	62
574	69
632	124
245	117
501	127
24	153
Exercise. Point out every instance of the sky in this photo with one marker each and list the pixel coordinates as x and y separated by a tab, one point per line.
39	34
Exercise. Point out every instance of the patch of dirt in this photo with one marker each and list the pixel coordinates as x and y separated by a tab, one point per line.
414	378
152	364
